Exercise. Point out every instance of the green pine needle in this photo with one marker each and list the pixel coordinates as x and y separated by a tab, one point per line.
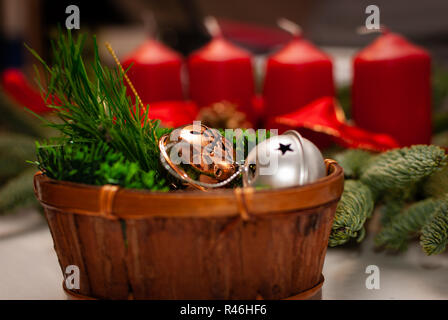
355	206
18	192
401	168
15	149
391	208
93	105
14	119
434	238
95	164
395	200
403	226
437	184
353	161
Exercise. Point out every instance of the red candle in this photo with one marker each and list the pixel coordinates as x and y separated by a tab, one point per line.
155	72
295	76
391	89
220	71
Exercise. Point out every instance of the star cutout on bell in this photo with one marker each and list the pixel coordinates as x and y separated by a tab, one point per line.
284	148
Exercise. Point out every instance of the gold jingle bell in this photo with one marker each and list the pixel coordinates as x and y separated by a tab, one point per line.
195	147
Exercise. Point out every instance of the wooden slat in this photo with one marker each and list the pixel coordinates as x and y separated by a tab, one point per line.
104	252
67	245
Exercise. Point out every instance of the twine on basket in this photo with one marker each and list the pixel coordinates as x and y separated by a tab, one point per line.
240	199
240	195
106	201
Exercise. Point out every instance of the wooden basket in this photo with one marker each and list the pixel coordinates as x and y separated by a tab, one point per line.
223	244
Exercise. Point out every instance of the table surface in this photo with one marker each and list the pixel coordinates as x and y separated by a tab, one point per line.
29	268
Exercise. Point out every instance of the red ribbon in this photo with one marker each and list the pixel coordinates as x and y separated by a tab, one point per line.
326	116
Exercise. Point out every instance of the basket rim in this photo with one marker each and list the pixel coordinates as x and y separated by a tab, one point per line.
114	202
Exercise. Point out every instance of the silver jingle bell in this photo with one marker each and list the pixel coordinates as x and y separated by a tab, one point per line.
282	161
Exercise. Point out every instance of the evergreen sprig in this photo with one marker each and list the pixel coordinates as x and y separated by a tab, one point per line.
404	225
14	149
14	120
353	162
392	207
395	200
434	238
400	168
437	184
93	105
395	178
18	192
355	206
95	164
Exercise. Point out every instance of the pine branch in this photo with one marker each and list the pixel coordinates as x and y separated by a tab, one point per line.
355	206
353	162
434	238
392	207
18	192
395	177
395	200
96	108
71	161
128	175
15	150
17	120
401	168
96	164
437	184
403	226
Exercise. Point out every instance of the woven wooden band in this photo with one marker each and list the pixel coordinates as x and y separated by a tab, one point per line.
107	196
240	195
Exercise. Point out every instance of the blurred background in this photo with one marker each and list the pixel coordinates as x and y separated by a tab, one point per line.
250	23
